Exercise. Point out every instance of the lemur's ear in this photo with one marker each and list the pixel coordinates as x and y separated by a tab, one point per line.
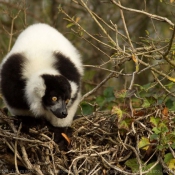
35	88
39	91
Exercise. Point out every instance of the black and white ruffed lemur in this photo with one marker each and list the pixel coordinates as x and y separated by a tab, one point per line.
41	76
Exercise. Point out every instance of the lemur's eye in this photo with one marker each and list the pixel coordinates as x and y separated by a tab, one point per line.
67	101
54	98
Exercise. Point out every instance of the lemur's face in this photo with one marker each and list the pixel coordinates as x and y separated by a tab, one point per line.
57	95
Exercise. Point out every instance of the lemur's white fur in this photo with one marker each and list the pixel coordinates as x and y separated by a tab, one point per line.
37	44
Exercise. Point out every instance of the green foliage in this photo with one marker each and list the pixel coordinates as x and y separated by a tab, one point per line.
116	110
106	99
170	161
168	157
161	133
87	108
157	170
144	143
103	101
148	97
134	166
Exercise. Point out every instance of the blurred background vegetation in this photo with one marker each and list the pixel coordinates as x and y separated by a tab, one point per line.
149	37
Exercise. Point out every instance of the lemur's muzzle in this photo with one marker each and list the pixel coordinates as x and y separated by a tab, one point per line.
59	109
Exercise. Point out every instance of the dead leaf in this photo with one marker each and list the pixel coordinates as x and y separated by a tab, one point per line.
165	111
66	138
139	113
134	58
116	110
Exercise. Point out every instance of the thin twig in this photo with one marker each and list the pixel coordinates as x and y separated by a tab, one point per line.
97	87
156	17
15	150
98	23
82	29
165	55
156	78
11	30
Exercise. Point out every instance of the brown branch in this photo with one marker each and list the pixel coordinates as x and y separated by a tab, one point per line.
97	87
15	150
126	30
13	6
82	29
98	23
159	72
11	30
156	17
163	87
165	55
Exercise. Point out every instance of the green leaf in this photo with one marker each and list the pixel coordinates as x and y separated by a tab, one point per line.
125	124
137	103
132	163
116	110
80	33
156	130
154	137
106	99
146	86
173	107
154	121
171	164
120	94
152	99
87	109
70	25
100	100
110	99
163	127
124	93
170	85
147	32
144	143
173	145
140	87
168	157
146	103
161	147
109	92
169	103
157	170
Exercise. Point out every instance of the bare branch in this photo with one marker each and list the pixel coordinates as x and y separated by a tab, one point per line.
156	17
97	87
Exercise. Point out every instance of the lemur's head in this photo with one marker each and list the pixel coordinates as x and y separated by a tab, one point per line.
49	92
57	94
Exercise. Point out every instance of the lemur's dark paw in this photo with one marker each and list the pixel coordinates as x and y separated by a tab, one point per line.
5	110
62	136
